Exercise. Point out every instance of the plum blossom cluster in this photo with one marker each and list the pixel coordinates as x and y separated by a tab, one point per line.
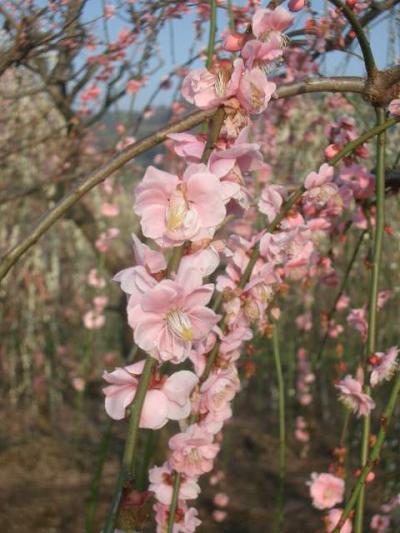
195	218
169	308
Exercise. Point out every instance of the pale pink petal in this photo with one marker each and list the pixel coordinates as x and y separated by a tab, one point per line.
203	320
117	400
179	386
155	410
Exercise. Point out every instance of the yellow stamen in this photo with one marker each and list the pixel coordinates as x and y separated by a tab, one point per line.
180	325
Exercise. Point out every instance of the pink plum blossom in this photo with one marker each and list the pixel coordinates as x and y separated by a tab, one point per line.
219	515
94	319
271	200
255	91
133	86
186	520
205	260
319	186
172	315
234	41
216	394
343	302
109	210
383	298
326	490
165	400
188	146
152	260
258	54
296	5
357	318
205	89
270	23
304	321
332	520
384	366
193	451
95	279
380	523
104	239
125	142
91	93
359	179
301	433
161	483
243	153
173	210
352	396
221	499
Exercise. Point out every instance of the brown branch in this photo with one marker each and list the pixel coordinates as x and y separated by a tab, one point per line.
12	255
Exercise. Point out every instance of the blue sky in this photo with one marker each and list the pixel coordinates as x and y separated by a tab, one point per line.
173	55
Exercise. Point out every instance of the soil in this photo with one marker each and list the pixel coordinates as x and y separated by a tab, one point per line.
46	471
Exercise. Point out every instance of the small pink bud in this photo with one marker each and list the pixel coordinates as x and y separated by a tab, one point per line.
219	516
370	477
234	42
331	151
296	5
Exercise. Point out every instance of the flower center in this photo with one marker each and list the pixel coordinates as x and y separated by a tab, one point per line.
256	96
219	397
221	83
193	456
179	324
177	210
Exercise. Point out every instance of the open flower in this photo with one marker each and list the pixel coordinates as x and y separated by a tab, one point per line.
205	89
380	523
319	186
259	54
193	451
357	318
271	200
185	521
270	23
165	400
384	366
162	484
352	396
326	490
173	210
255	91
172	315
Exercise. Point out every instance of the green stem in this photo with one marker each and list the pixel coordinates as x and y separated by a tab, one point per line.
231	17
136	411
362	38
211	35
374	455
373	299
214	130
95	485
126	473
174	502
174	261
282	431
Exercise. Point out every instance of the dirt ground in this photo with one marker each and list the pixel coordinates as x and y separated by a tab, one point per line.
45	475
